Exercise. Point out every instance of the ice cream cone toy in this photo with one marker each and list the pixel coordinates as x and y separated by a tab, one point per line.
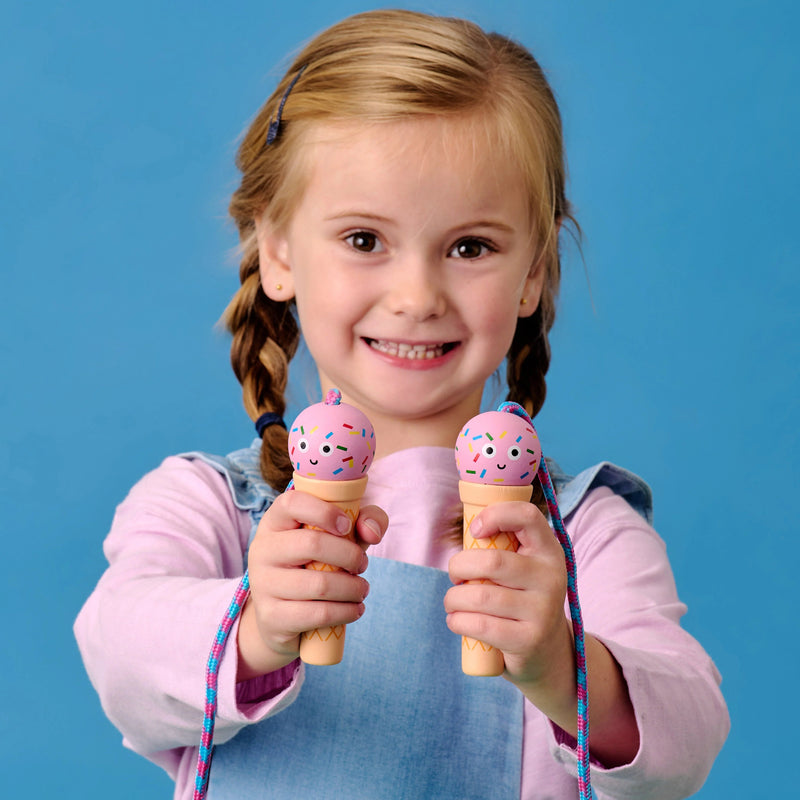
331	446
498	455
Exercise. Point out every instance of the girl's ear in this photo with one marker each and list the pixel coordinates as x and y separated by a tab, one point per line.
534	283
532	290
273	261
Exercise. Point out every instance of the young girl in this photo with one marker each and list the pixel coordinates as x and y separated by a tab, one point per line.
401	199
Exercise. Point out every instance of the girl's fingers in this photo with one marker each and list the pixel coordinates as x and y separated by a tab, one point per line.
297	529
511	620
538	556
299	617
321	585
504	634
296	548
371	525
497	566
524	520
530	647
502	602
296	509
512	570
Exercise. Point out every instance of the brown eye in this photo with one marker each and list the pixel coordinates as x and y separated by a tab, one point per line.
364	242
470	249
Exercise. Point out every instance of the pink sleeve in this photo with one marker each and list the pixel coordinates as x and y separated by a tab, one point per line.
175	554
630	603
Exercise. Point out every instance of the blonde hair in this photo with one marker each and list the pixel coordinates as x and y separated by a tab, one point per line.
384	66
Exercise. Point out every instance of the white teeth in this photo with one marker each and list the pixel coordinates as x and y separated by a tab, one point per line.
402	350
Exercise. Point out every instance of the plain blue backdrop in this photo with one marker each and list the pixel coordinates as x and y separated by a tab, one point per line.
675	351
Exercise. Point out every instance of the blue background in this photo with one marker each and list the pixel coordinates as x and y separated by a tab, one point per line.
677	358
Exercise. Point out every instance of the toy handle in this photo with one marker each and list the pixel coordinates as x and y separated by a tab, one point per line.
478	658
325	646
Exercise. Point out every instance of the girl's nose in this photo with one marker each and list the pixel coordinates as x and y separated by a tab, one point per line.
417	291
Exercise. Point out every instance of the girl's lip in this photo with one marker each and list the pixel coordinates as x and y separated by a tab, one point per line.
420	355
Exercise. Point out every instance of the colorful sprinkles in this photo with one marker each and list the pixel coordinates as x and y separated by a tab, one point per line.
513	477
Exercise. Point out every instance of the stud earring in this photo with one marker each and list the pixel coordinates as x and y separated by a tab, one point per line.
524	301
278	286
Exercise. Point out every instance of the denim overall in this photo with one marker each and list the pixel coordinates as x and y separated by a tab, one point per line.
397	718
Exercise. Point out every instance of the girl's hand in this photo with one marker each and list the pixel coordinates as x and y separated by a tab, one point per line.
523	617
522	614
286	599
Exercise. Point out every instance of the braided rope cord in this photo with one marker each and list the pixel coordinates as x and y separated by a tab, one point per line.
206	750
584	776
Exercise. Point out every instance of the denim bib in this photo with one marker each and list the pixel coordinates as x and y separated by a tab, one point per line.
396	719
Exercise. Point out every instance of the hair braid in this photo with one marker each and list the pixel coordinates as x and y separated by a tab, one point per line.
265	337
529	360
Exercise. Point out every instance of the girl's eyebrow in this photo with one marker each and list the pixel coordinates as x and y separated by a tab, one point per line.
348	214
494	224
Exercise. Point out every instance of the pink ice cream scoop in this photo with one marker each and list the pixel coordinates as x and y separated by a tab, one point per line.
331	441
331	446
498	448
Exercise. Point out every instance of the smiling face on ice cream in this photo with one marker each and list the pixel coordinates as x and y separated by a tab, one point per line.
497	447
331	442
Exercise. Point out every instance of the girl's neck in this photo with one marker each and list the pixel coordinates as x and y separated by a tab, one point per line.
440	430
396	430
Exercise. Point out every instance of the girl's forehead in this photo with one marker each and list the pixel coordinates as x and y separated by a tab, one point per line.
419	138
460	155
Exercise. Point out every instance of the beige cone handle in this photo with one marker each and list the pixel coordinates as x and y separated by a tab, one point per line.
478	658
325	646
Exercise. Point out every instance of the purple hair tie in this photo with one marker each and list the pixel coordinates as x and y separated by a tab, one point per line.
265	420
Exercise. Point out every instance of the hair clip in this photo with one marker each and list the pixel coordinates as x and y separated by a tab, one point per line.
275	125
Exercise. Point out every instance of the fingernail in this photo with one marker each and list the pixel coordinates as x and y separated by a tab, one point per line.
373	526
343	524
476	527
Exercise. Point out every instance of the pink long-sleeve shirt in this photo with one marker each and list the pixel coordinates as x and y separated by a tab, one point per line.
176	551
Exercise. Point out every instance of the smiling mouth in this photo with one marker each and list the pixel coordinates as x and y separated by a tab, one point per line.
410	351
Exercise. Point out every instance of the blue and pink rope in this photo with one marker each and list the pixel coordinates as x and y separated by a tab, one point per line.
584	776
584	770
206	750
